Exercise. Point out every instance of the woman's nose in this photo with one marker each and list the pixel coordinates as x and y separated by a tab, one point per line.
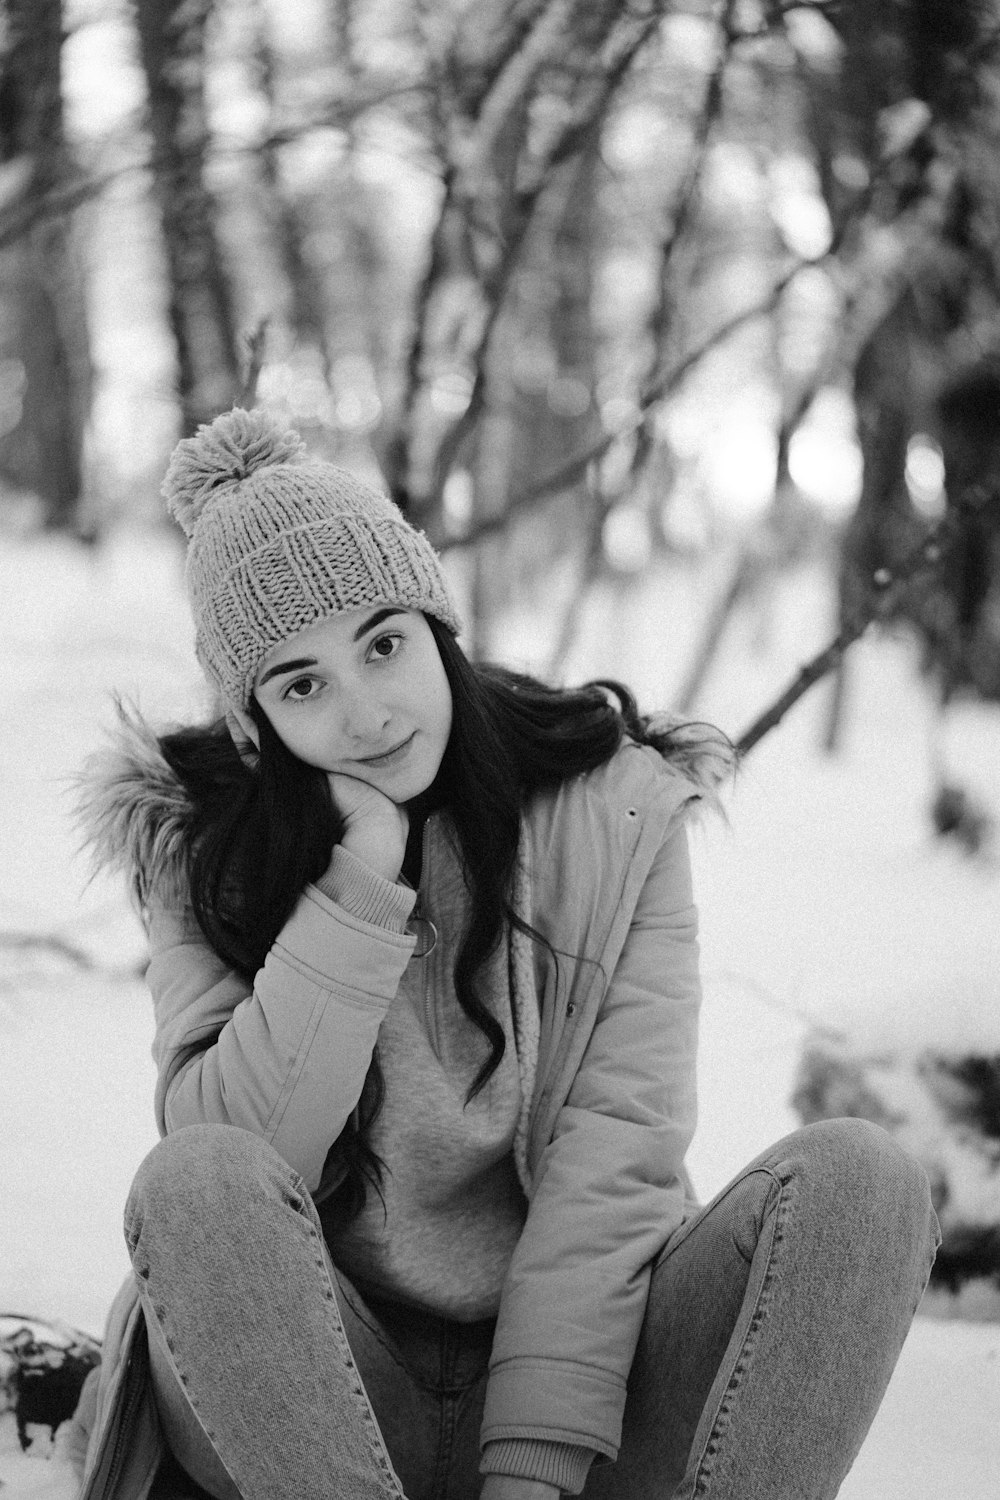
364	718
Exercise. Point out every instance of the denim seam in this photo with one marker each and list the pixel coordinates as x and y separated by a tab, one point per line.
447	1414
341	1344
434	1388
158	1313
703	1473
295	1197
363	1316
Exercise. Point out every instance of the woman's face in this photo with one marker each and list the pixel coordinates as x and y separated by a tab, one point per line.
364	694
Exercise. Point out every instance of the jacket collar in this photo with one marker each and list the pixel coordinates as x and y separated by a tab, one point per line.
134	813
136	817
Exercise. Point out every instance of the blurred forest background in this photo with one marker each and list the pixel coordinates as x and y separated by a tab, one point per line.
582	283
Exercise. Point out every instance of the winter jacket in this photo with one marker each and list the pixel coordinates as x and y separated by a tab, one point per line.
608	1065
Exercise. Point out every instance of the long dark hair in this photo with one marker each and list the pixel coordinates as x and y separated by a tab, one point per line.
264	832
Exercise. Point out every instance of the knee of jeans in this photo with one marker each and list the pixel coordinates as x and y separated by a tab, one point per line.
201	1169
881	1177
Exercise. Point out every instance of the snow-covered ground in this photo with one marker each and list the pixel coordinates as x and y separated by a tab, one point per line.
825	902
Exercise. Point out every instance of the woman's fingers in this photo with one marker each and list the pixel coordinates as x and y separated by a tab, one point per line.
375	828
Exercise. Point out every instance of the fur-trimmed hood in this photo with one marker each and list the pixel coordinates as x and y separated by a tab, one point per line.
134	813
137	819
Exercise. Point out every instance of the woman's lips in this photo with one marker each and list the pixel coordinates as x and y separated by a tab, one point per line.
388	757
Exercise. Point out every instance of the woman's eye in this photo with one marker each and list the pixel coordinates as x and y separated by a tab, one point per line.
301	688
386	645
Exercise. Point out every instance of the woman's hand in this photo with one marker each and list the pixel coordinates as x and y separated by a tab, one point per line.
505	1487
375	828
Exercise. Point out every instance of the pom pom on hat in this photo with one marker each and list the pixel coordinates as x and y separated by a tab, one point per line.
222	453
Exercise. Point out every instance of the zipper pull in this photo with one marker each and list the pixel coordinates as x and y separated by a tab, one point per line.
425	932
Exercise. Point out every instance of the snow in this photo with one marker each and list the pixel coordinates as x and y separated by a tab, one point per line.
825	902
936	1431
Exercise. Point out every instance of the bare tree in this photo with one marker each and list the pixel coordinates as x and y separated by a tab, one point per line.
40	273
172	37
520	100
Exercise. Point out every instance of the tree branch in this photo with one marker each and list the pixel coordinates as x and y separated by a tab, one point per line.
247	396
711	108
17	218
686	197
400	444
575	468
571	139
463	174
510	88
890	587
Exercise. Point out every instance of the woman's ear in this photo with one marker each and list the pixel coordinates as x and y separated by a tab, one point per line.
245	735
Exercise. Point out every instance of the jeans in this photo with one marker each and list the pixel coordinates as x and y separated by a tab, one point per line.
775	1317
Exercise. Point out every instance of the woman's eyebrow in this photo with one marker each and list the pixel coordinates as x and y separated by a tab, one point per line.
310	661
287	666
376	619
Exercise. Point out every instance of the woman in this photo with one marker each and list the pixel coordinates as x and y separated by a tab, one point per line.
423	933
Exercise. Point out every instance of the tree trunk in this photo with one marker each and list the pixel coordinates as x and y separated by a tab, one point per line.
172	45
305	295
531	422
40	274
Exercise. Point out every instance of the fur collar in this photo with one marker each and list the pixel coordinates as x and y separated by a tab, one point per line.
700	753
134	813
136	817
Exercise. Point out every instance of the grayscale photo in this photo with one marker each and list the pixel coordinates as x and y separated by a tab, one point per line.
500	760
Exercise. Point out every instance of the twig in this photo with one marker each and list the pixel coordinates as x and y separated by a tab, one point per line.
255	359
889	589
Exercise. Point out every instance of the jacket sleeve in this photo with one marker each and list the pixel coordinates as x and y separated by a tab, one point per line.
610	1190
286	1059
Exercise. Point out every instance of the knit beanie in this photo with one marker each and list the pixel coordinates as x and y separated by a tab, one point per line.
276	544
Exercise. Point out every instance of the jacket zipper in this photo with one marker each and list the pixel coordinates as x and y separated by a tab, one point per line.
129	1407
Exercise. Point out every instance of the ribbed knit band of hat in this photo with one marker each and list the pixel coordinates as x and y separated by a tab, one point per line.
277	543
